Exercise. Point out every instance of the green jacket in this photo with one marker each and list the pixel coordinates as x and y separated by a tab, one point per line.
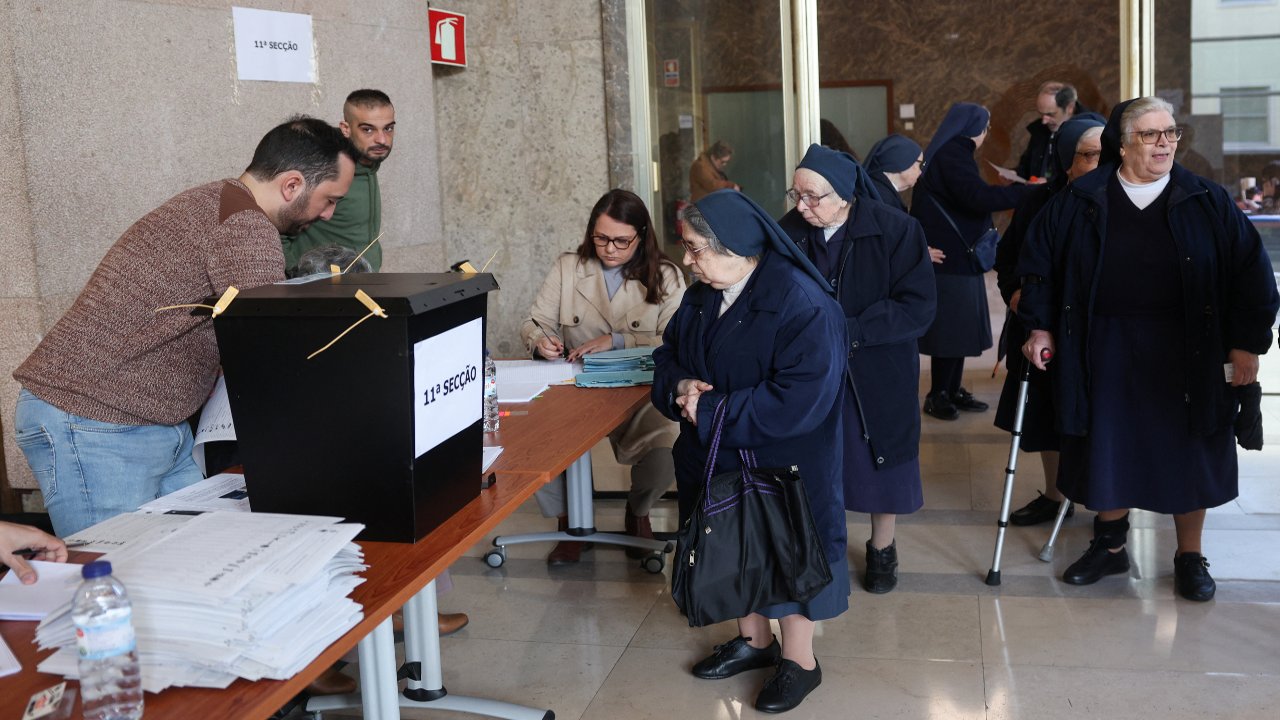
356	221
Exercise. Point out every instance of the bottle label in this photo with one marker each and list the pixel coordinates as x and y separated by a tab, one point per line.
112	637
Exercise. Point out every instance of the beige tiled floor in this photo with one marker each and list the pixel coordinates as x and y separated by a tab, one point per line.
604	641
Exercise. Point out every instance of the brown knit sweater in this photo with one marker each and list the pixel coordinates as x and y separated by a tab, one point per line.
112	357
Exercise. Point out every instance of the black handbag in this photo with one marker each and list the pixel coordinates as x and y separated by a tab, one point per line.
982	253
749	544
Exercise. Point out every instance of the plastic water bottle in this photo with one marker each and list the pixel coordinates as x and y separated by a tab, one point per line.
110	678
490	394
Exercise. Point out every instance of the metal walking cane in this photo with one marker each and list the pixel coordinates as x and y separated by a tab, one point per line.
1046	552
993	575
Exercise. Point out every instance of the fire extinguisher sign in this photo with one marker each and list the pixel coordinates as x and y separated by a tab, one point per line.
448	35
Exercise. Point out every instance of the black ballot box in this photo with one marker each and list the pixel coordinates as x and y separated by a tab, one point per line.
382	428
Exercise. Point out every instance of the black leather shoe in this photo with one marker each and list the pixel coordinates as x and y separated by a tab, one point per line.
964	400
940	407
1191	577
1096	562
1040	510
734	657
882	569
788	687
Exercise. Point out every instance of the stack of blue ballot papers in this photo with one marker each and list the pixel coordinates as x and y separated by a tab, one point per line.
617	368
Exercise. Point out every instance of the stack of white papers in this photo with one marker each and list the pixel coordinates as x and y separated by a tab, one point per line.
224	594
225	491
55	584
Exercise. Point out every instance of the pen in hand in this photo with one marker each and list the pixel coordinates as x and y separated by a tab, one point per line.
564	351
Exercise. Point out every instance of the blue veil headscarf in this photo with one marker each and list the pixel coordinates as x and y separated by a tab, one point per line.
1068	137
846	176
892	154
962	120
745	228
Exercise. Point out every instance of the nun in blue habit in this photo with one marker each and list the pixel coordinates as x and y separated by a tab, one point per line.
954	205
759	330
876	259
894	165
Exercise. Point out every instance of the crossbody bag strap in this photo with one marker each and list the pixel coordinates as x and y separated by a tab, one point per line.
950	222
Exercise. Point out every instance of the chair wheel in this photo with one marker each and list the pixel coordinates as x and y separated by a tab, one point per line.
653	563
495	558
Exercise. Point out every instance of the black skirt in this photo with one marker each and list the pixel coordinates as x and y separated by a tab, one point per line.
1038	424
962	325
1139	452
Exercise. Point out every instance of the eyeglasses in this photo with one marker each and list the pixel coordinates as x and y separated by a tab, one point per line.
691	250
806	198
1150	137
619	243
1090	154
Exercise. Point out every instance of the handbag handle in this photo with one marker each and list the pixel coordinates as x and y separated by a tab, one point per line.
748	457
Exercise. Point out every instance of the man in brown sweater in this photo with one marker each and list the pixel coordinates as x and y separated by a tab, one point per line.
106	394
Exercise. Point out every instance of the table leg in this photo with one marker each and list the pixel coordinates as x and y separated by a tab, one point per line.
578	490
422	646
378	681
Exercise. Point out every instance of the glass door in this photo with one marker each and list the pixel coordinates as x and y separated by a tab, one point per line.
720	75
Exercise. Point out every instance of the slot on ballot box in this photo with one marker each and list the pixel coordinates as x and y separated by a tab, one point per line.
384	427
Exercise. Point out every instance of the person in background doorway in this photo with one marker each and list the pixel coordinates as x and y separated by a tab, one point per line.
706	175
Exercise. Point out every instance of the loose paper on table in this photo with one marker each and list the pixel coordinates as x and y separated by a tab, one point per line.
55	584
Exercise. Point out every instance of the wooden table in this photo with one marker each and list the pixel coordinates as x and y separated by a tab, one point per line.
558	437
561	426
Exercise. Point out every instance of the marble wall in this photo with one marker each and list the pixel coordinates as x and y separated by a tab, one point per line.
522	145
109	107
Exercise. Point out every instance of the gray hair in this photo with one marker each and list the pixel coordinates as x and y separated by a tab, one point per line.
697	222
1089	134
318	260
1138	108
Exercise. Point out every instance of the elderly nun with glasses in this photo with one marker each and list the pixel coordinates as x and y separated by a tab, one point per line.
617	290
759	332
876	259
1149	298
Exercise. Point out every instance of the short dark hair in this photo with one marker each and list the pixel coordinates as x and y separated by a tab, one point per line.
368	98
318	260
1066	97
301	143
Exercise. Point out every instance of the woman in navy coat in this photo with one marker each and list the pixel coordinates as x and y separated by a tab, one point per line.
894	165
1144	280
877	260
759	332
951	187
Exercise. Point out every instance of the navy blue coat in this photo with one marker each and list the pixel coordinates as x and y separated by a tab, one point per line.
777	356
889	195
1229	291
886	289
952	178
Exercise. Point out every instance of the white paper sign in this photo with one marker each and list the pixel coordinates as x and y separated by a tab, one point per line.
448	384
273	45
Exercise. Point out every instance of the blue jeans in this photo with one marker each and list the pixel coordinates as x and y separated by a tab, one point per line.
90	470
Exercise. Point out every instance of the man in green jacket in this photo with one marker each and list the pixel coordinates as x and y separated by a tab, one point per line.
369	119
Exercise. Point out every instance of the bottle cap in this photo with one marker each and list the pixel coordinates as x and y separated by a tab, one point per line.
96	569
